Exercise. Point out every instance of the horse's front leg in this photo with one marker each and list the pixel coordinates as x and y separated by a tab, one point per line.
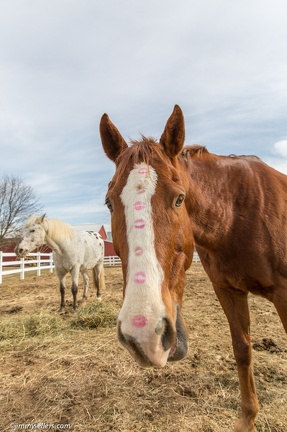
235	306
75	281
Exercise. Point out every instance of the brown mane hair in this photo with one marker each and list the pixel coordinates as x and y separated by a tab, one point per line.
195	150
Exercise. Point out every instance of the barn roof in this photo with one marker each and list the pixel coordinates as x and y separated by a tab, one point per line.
99	228
88	227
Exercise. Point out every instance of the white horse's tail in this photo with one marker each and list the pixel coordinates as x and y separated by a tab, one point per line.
99	278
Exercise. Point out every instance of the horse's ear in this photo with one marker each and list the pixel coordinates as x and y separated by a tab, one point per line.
41	218
173	135
113	142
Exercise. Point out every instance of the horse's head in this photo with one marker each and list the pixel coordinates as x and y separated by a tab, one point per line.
152	235
32	236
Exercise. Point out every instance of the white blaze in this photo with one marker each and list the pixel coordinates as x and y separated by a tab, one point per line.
143	306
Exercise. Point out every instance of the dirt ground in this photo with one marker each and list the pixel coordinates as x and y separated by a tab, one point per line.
69	372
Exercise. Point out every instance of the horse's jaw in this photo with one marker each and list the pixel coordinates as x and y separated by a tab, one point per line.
155	349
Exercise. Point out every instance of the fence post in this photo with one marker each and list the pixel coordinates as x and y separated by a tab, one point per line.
1	258
38	264
22	267
51	262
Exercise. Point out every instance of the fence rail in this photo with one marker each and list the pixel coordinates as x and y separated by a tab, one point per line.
40	261
112	261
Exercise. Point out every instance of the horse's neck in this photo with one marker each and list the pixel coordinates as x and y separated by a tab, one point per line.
56	247
208	208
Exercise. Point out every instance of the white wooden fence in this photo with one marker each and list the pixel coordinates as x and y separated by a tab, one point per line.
36	262
195	257
40	261
115	260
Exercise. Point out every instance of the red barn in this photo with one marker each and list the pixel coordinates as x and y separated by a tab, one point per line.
109	247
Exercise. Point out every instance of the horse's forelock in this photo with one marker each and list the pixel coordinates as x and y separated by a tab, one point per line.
146	150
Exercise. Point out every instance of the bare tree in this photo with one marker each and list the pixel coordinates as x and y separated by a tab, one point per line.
17	202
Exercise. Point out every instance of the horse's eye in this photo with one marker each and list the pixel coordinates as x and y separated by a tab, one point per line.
179	200
109	204
32	231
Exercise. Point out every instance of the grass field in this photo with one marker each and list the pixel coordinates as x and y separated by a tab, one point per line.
70	370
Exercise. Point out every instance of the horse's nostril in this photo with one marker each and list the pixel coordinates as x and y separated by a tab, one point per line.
168	334
18	250
121	337
159	327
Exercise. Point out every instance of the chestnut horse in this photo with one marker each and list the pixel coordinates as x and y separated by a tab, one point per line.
164	198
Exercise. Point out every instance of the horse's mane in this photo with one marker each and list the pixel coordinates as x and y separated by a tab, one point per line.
197	151
248	157
59	230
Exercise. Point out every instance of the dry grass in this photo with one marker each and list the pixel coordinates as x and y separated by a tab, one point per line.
71	370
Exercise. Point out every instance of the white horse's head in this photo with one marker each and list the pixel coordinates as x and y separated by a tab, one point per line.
33	235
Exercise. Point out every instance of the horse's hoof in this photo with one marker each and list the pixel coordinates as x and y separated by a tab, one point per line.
99	299
83	300
61	311
243	426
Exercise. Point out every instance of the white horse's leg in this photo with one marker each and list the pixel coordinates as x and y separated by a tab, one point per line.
86	284
75	281
102	284
62	279
98	278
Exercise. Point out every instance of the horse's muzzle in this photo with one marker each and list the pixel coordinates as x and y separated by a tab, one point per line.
20	252
169	343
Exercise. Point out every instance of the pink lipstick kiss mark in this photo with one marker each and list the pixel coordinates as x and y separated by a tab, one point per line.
139	205
138	251
140	277
143	170
139	224
139	321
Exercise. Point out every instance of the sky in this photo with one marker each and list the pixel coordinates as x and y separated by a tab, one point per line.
63	63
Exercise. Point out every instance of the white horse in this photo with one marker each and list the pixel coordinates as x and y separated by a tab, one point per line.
73	252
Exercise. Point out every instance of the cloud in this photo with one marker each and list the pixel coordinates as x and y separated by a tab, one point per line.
280	163
281	148
278	156
63	64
